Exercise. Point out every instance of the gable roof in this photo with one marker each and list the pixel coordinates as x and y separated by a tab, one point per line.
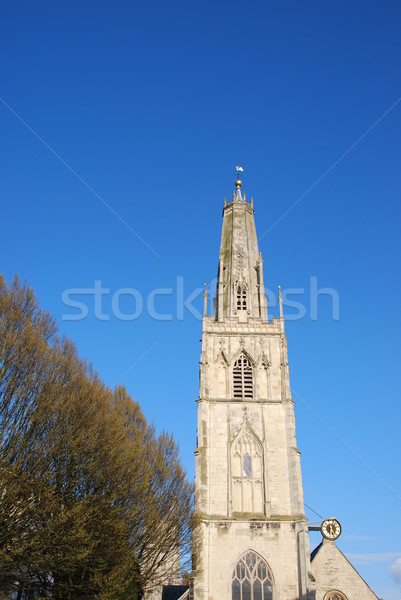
173	592
328	559
315	551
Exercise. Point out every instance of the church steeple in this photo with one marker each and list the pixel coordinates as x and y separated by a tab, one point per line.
240	285
252	531
253	540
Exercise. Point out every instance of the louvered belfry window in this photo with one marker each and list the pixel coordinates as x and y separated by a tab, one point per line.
242	377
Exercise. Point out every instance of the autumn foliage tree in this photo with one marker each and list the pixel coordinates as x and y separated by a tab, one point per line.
93	503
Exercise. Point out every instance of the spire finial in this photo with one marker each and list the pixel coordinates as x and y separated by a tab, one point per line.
238	181
280	302
205	301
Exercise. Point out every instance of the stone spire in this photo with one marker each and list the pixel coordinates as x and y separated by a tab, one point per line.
238	197
240	286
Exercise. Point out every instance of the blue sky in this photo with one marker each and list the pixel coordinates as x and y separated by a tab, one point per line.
125	120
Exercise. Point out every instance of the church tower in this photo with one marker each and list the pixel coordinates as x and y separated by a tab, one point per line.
253	540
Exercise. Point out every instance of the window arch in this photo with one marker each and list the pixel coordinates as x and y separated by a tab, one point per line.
252	578
247	474
241	297
335	595
242	377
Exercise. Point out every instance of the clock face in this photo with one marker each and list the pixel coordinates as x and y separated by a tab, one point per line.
330	529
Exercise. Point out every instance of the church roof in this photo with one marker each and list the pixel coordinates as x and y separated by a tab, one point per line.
315	551
332	569
173	592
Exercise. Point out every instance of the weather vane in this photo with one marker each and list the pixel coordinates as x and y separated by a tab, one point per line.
239	170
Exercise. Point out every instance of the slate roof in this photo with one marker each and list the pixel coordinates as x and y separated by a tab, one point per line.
173	592
315	551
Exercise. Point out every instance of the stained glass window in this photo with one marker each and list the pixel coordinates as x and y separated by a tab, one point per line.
252	579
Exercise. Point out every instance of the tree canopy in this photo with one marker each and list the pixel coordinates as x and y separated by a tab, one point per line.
93	502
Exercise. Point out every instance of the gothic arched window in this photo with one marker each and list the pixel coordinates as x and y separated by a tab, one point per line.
335	595
247	474
241	297
252	579
242	377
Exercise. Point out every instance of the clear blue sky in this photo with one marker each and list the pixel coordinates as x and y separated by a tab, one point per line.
151	105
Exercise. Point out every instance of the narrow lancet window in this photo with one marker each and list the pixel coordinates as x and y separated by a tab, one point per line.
247	465
242	378
241	298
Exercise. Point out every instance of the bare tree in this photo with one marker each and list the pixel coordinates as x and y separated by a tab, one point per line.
93	504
